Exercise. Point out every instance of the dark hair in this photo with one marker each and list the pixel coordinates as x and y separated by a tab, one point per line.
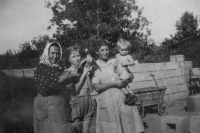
102	42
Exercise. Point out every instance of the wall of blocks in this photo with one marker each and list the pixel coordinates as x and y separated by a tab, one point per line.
173	75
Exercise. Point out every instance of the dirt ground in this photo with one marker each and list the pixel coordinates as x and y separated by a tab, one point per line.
152	121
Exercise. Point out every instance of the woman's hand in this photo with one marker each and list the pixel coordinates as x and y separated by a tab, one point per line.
87	69
120	83
68	75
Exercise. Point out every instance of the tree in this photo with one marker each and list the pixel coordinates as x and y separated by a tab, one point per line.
186	39
80	20
186	26
40	42
25	55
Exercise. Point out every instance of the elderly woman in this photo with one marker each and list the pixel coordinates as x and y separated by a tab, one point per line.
51	108
113	116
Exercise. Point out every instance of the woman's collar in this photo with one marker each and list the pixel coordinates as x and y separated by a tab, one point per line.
104	64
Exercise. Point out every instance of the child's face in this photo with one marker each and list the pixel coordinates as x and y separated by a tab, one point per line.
75	58
123	50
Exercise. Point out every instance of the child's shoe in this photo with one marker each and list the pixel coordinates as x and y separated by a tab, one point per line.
130	99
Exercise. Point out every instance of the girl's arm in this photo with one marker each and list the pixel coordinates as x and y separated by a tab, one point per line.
89	83
130	63
83	78
81	82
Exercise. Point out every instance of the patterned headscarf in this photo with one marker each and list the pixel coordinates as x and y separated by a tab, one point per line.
44	59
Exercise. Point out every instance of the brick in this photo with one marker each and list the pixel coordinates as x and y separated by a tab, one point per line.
194	124
193	104
179	72
147	75
159	74
183	94
172	65
195	71
187	78
159	82
171	97
151	67
173	124
167	74
188	70
171	89
173	58
133	85
172	73
160	66
176	96
180	58
185	64
139	77
166	98
136	68
164	82
173	81
182	87
181	80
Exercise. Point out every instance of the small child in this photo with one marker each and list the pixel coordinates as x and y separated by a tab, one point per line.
123	60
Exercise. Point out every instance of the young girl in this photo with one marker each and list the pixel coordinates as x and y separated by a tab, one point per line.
81	102
123	60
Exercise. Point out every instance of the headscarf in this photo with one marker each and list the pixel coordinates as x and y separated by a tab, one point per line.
47	75
44	59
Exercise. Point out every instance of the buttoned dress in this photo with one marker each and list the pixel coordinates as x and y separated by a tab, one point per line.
113	116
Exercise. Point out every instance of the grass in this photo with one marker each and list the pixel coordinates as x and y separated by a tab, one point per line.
16	104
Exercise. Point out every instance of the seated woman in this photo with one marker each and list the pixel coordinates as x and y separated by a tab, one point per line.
51	108
113	116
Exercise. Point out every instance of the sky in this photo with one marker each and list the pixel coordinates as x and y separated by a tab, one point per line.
21	20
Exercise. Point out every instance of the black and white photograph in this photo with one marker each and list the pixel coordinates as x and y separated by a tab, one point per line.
99	66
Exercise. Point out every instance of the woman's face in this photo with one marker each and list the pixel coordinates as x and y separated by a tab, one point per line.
75	58
103	52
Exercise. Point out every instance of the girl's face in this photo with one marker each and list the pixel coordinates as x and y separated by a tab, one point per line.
103	52
123	50
75	58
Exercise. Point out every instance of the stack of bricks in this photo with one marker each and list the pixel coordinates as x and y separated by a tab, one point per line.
173	75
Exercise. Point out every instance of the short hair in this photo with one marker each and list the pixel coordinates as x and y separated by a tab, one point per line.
102	42
70	49
123	42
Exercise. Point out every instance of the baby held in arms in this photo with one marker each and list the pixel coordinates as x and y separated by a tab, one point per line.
123	60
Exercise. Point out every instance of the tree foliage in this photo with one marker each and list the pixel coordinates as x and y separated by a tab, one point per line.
186	26
186	40
80	20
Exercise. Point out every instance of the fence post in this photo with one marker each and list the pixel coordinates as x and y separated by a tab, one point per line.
23	73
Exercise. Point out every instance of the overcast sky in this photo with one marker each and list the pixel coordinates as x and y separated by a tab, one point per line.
21	20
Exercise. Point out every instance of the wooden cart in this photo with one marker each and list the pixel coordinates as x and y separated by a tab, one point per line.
151	96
